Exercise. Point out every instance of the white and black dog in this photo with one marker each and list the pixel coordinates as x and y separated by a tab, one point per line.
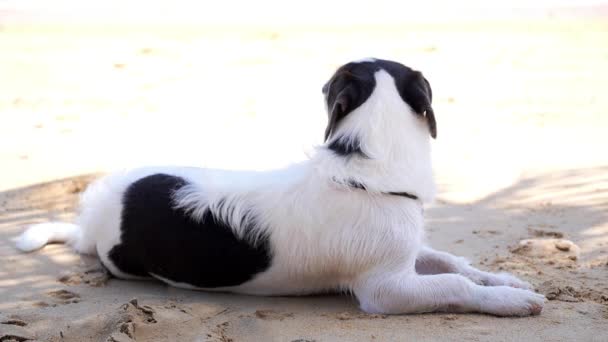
348	219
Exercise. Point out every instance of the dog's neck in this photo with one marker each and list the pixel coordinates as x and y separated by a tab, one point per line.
363	187
382	145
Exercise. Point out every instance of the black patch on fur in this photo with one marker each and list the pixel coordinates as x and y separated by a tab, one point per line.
157	238
353	83
346	147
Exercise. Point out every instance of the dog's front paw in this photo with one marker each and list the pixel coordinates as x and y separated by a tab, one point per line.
509	301
505	279
498	279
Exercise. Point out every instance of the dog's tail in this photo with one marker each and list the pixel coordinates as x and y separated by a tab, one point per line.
39	235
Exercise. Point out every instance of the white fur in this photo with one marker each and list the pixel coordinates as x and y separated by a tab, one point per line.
41	234
324	234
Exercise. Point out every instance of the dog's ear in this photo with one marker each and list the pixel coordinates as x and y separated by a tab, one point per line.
344	93
338	107
430	114
418	94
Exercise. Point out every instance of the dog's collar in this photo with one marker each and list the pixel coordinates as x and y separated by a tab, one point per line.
358	185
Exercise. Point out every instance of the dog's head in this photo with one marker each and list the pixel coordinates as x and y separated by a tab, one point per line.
354	83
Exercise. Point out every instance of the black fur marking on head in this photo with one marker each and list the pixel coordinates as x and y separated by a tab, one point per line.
158	238
353	83
346	147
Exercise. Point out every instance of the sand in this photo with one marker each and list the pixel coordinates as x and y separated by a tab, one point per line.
520	161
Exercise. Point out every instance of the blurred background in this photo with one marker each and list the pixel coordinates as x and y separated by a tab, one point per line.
94	86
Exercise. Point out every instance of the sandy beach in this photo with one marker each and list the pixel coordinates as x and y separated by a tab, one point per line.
520	161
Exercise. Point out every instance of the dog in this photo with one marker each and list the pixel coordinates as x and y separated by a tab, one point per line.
348	219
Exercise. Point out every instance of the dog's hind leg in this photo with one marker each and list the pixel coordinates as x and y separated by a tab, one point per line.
430	261
408	292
